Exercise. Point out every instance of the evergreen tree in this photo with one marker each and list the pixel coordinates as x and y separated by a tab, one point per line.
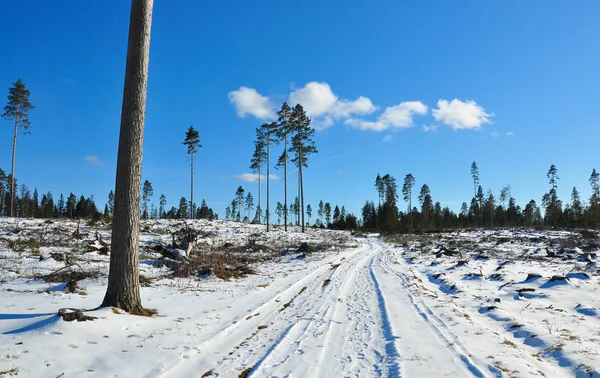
327	214
192	142
204	210
227	213
61	206
284	125
182	211
426	205
302	146
269	132
576	208
17	111
475	176
259	157
249	204
409	183
550	200
147	193
321	211
239	202
594	210
308	212
380	188
279	212
161	206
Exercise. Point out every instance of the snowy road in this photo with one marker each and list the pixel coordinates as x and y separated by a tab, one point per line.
350	318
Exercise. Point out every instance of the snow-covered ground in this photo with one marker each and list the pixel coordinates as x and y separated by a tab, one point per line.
442	305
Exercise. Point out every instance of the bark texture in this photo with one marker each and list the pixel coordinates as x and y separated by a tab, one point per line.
123	280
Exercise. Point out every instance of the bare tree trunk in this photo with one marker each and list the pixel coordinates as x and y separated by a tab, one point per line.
192	189
301	189
12	175
268	178
285	206
258	210
123	289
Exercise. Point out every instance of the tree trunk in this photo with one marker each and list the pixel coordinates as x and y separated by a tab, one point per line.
285	207
12	175
268	178
301	189
192	189
123	289
258	210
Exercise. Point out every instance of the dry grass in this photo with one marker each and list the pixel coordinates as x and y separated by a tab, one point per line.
245	373
509	343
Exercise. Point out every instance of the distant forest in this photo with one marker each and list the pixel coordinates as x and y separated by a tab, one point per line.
484	209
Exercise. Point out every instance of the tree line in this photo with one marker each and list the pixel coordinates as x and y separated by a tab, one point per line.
484	209
242	209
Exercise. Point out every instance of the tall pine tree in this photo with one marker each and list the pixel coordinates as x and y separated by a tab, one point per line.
17	111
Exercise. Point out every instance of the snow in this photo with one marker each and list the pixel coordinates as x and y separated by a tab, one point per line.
359	307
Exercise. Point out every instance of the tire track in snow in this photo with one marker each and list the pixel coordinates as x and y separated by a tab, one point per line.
353	329
391	351
241	332
440	329
305	336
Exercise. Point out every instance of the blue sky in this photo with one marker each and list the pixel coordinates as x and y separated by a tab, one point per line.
394	87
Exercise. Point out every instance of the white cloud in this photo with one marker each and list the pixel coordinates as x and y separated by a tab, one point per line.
316	98
510	133
398	116
93	160
325	107
387	138
495	134
430	129
249	101
253	177
461	115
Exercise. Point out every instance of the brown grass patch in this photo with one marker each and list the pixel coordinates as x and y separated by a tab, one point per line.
509	343
326	282
245	373
334	266
262	326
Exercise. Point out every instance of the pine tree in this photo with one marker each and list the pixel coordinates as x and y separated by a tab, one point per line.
161	206
123	289
321	211
576	208
147	193
279	212
17	111
269	132
182	210
426	204
249	202
475	176
550	200
302	146
379	187
409	183
283	129
594	211
192	141
327	210
308	212
259	157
